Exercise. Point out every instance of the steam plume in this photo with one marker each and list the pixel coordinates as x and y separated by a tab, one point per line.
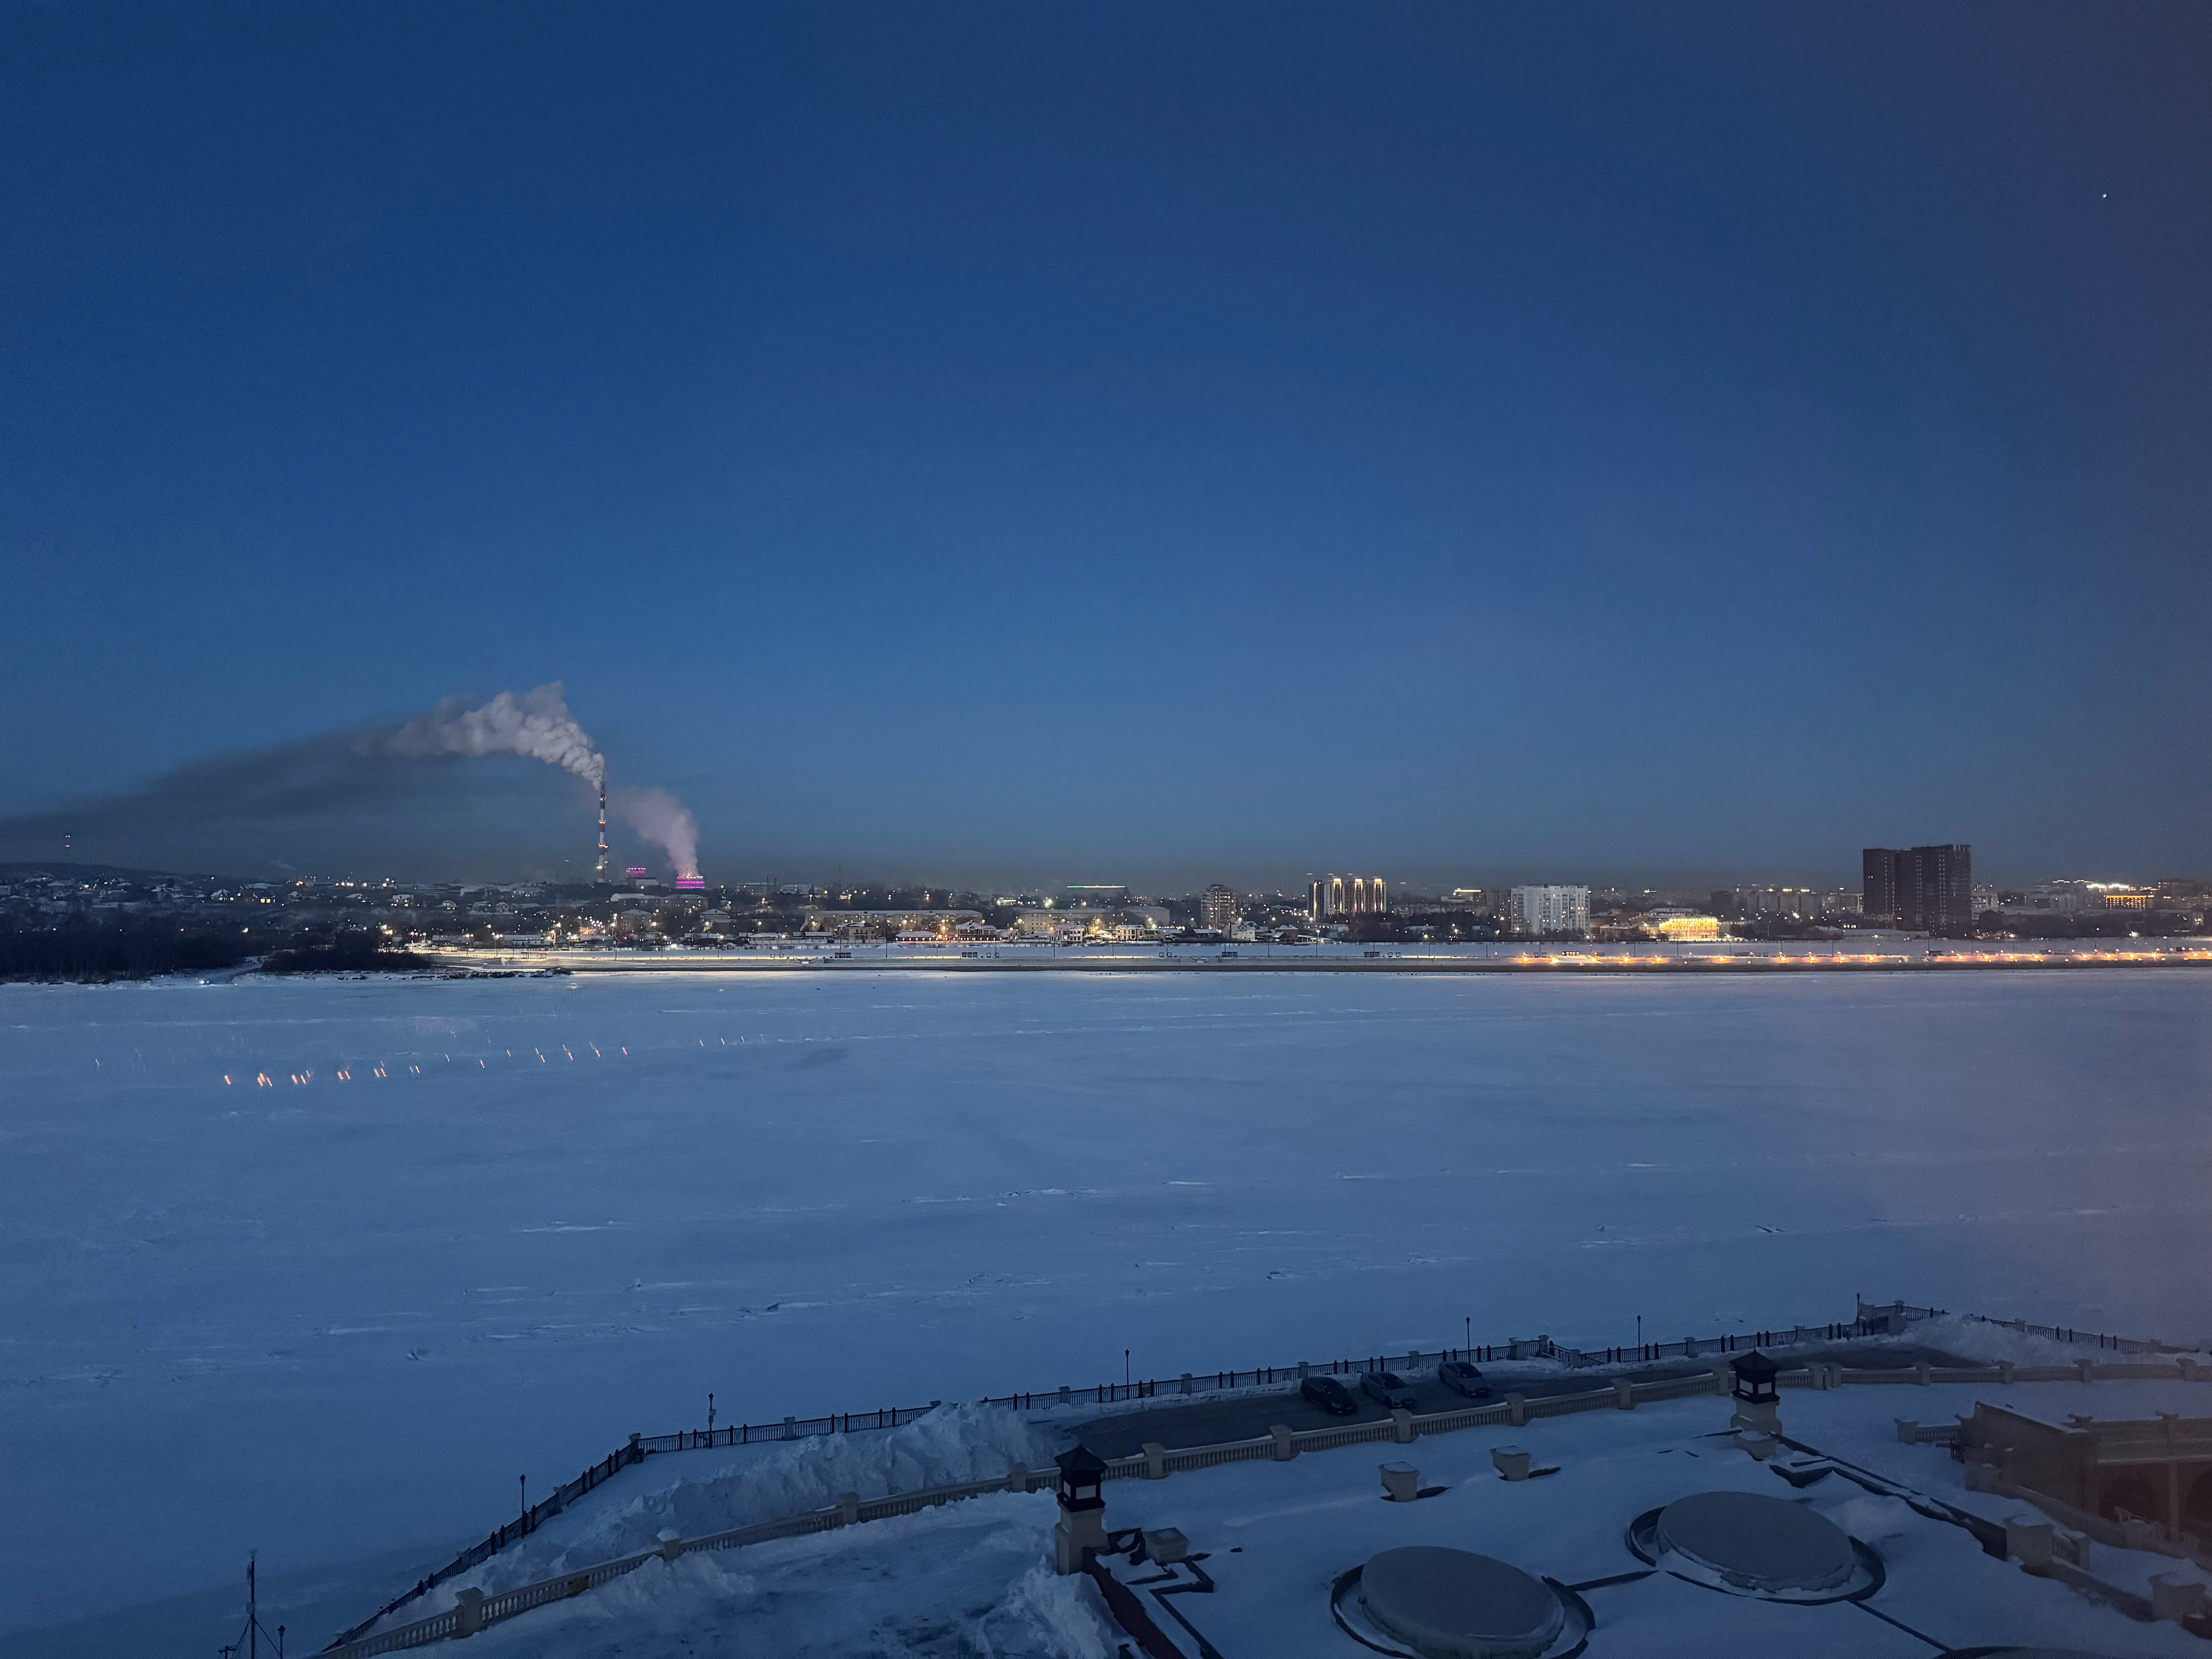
664	820
536	725
345	787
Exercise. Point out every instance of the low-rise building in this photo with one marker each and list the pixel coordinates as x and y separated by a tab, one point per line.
1802	903
887	924
1059	920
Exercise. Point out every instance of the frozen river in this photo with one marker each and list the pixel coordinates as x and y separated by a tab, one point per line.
503	1223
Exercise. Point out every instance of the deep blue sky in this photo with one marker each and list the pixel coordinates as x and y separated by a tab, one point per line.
995	442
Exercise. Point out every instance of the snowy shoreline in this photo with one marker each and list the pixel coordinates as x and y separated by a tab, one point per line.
1796	958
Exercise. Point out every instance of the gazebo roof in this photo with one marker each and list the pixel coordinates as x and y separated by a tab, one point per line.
1755	1367
1081	1466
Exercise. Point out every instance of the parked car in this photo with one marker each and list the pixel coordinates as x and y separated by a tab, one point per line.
1392	1389
1462	1378
1331	1395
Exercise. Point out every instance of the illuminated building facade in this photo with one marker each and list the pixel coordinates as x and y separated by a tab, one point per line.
1349	896
1681	925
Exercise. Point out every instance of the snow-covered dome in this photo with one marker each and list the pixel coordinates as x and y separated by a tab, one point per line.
1454	1604
1757	1543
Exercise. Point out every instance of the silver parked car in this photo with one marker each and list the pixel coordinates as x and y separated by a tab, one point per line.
1392	1389
1461	1378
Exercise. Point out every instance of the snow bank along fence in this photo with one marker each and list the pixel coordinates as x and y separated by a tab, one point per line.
1872	1320
475	1610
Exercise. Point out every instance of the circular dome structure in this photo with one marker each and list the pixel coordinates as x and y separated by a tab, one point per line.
1454	1604
1768	1546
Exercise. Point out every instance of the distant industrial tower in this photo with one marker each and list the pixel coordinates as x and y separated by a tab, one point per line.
1928	887
1216	908
600	869
1349	896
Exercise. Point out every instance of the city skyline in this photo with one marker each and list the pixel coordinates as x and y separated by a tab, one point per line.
1324	898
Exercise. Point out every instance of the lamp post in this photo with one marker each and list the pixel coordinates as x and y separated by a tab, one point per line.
1081	1529
1757	1421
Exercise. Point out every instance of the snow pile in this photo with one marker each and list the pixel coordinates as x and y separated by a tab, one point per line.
950	1445
1977	1339
969	1580
1043	1614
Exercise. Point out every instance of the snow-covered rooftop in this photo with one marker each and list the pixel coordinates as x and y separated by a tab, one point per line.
1275	1541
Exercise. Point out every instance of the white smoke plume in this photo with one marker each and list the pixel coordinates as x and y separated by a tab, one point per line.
536	725
664	820
289	798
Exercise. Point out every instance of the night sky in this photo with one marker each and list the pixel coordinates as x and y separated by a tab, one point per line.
1013	443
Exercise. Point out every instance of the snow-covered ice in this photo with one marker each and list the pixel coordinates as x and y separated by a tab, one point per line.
503	1224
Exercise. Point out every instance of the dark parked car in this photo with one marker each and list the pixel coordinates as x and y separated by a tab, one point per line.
1462	1378
1392	1389
1331	1395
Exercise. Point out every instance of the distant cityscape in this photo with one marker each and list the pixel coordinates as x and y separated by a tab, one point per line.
1922	891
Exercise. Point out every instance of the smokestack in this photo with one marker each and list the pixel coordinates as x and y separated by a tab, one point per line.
601	874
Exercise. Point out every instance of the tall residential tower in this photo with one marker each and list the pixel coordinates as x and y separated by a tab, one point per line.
1928	889
1549	912
1216	908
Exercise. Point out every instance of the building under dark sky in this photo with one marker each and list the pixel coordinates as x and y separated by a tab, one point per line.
1926	888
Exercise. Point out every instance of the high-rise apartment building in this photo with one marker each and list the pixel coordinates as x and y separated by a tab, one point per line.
1940	895
1929	888
1349	896
1216	908
1878	880
1549	912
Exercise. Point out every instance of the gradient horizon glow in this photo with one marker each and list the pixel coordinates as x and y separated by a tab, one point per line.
985	444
